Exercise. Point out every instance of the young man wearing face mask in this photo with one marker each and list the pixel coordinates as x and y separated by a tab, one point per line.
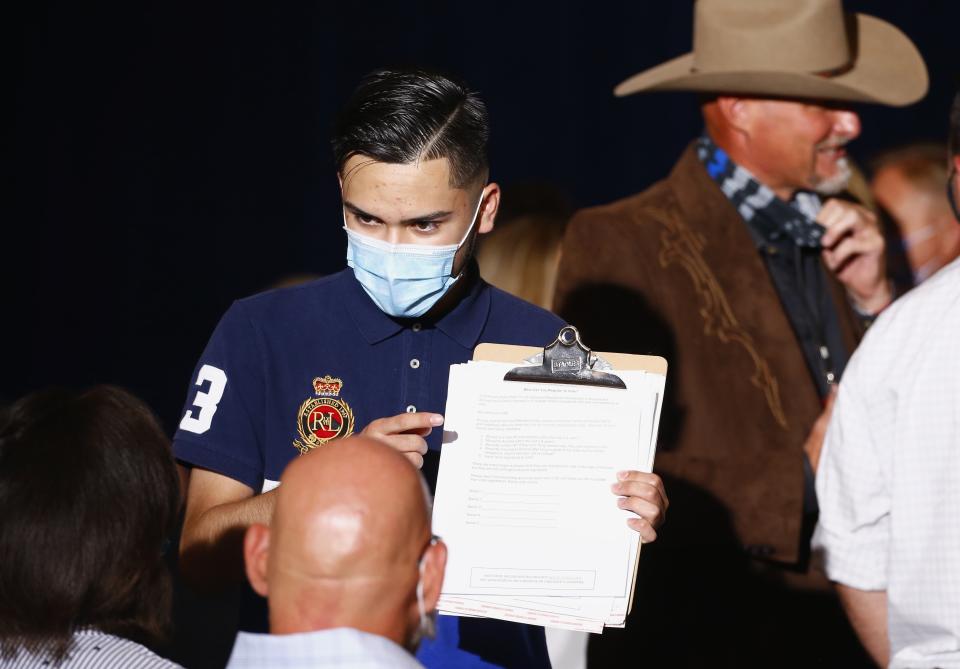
368	350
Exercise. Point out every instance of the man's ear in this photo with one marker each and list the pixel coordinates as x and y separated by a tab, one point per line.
736	112
256	550
491	203
434	564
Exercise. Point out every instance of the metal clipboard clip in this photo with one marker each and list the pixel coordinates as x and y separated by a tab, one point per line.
566	360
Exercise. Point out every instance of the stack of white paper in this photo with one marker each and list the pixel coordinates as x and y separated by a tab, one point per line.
524	497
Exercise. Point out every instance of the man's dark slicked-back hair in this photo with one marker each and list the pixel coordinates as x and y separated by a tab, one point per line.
88	494
402	116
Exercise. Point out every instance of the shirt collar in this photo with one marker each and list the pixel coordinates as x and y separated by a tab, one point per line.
764	231
463	323
466	321
374	325
343	646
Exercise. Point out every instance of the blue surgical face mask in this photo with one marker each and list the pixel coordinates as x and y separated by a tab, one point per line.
913	239
918	236
404	280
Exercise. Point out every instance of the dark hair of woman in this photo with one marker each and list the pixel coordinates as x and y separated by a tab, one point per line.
88	495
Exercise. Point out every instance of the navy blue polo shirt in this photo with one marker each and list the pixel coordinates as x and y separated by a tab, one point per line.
290	369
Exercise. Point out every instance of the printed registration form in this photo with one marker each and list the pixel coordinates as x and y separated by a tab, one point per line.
523	496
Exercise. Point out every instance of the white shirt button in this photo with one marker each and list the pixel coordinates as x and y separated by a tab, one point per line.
411	409
415	363
416	327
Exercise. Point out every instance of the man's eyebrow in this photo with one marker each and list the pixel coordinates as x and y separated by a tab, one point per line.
432	216
357	211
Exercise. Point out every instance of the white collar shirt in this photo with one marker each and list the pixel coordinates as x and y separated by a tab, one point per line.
340	647
91	649
888	483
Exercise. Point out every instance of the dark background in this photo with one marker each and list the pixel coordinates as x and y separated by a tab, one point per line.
167	158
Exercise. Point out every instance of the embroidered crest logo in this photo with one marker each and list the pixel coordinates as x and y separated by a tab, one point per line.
325	417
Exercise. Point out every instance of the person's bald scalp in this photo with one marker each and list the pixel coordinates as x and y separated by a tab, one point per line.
350	524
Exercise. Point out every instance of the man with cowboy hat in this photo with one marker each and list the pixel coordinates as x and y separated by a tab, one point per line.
755	280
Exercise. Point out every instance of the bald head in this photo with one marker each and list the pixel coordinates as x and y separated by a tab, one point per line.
350	509
351	523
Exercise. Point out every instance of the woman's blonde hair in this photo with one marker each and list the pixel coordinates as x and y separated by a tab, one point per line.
522	256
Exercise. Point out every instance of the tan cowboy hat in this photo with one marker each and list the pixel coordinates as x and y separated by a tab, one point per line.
804	49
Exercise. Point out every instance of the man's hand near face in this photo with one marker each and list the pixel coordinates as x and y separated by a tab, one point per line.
853	249
405	432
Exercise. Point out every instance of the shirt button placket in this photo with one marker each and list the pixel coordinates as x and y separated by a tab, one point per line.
419	368
414	382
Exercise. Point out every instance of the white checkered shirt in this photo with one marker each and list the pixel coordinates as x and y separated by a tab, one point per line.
341	647
92	649
889	477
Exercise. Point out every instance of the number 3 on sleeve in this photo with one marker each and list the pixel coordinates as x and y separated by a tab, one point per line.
207	401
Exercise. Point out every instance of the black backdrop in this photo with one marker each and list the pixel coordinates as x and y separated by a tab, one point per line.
166	158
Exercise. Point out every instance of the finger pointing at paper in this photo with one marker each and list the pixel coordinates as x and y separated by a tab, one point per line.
644	495
405	432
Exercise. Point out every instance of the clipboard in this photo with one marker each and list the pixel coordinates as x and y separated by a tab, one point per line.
516	354
568	345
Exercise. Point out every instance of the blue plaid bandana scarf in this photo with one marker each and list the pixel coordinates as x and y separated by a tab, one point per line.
757	204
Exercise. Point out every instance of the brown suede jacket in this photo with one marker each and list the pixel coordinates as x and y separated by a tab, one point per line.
673	271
